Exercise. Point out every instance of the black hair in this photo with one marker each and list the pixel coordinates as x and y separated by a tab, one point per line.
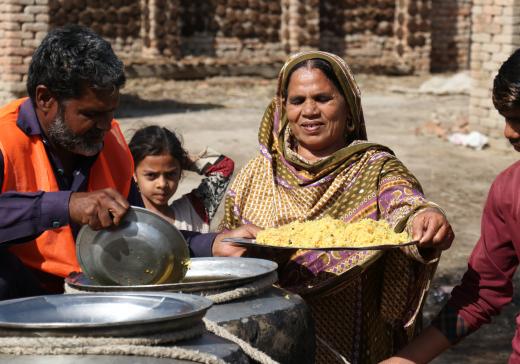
156	140
71	58
506	86
314	63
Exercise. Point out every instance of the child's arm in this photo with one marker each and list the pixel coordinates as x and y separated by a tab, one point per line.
423	349
486	286
217	170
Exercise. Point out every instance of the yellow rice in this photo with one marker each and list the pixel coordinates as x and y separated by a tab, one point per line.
329	232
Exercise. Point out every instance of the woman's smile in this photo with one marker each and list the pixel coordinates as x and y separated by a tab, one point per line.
312	127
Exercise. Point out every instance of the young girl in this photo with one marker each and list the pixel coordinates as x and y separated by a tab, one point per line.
159	161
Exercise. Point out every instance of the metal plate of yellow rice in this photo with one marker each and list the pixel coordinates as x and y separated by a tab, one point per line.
329	233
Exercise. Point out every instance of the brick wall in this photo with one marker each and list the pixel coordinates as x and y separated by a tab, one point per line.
187	38
362	33
118	21
451	34
23	24
495	35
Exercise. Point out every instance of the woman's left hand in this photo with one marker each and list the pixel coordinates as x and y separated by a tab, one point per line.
432	229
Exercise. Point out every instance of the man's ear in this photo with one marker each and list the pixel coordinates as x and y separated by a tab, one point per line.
44	99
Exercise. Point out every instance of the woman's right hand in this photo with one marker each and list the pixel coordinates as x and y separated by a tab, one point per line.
224	249
432	229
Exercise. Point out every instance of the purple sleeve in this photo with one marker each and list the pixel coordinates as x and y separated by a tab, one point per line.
134	196
24	216
200	244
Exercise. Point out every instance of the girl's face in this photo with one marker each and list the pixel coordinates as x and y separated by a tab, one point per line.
158	177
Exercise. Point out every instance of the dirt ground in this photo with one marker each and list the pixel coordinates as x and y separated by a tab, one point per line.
224	113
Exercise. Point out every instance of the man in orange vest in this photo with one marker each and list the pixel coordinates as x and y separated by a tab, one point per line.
64	163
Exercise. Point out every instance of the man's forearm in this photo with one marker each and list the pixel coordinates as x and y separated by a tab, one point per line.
23	216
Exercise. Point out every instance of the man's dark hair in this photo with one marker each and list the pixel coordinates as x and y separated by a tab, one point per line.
506	86
157	140
71	58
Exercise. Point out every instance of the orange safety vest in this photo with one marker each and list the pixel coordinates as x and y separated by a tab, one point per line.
27	169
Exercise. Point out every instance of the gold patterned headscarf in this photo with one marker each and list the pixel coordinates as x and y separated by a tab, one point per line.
273	132
350	89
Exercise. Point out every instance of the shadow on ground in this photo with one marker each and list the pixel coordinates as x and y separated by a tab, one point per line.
134	106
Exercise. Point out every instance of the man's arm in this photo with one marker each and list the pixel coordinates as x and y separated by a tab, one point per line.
25	215
134	196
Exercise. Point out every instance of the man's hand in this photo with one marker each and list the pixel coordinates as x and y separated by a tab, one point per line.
432	230
222	249
99	209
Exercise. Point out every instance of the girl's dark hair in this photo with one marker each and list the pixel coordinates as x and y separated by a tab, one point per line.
156	140
71	58
314	63
506	86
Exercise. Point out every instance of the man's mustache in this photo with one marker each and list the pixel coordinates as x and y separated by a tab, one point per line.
514	141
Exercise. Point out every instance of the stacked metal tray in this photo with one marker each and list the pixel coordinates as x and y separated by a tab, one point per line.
204	274
101	314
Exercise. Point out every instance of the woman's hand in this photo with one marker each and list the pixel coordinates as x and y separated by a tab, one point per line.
223	249
432	229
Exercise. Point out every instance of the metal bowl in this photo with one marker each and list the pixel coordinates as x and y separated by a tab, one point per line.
143	249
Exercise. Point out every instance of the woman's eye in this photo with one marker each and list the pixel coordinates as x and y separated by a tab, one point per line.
296	100
323	98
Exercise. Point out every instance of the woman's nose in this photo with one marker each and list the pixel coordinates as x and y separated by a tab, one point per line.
310	108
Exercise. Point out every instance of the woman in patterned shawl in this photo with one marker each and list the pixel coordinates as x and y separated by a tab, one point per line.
315	161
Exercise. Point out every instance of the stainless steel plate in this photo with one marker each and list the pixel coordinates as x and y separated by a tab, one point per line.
253	243
143	249
94	314
204	274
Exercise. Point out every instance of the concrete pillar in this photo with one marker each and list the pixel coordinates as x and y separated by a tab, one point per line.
495	35
413	35
161	29
300	27
23	24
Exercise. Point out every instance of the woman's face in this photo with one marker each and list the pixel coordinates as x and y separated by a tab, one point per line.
317	114
158	177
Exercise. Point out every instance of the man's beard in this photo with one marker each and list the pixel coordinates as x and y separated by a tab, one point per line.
88	144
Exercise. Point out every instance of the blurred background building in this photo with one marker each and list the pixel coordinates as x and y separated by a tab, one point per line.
187	39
